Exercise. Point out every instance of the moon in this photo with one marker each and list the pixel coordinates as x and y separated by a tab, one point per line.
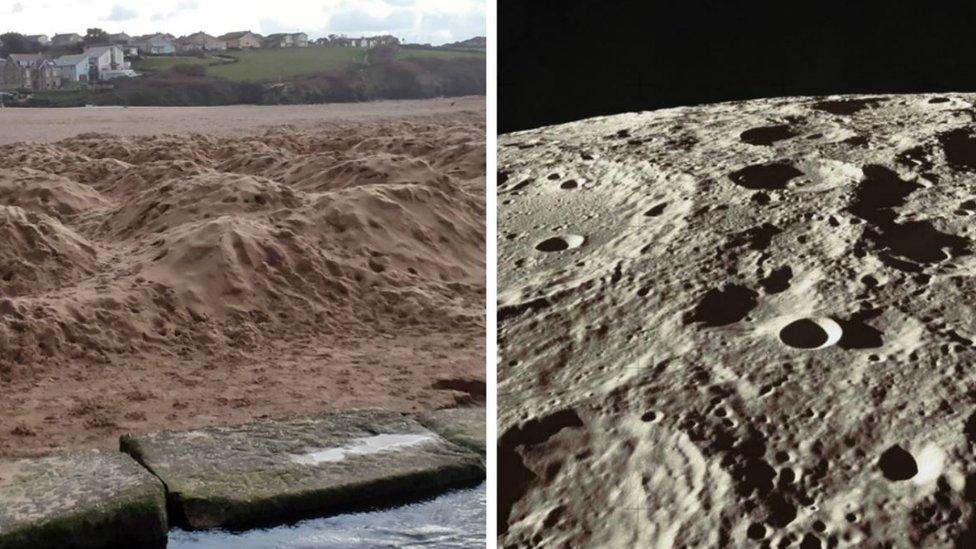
740	324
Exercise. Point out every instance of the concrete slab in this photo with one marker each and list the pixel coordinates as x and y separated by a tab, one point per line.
463	426
84	500
270	472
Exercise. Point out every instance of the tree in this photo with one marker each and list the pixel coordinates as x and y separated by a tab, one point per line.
14	42
96	36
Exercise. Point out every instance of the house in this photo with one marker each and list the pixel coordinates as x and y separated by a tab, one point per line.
199	41
286	40
92	65
26	59
242	40
153	44
108	58
11	75
41	39
36	71
66	40
120	39
73	68
366	41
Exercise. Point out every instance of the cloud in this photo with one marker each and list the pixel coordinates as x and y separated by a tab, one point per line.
186	5
120	13
440	27
358	20
271	26
17	8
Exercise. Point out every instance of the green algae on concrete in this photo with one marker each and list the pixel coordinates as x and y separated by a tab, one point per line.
274	471
84	500
464	426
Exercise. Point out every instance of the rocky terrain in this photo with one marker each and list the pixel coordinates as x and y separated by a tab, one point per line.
188	279
742	324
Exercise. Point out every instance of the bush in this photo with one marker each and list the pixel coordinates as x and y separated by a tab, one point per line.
190	70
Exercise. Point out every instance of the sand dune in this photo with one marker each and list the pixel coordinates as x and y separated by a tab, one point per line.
183	266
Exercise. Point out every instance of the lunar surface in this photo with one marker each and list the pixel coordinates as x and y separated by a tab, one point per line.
740	325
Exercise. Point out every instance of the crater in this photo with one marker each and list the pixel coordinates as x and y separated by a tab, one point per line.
560	243
897	464
771	176
960	149
811	333
767	135
720	307
846	106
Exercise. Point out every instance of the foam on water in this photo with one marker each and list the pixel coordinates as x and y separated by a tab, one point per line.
453	520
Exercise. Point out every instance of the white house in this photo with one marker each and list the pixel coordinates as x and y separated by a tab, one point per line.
365	41
74	68
108	58
91	65
286	40
242	40
199	41
154	44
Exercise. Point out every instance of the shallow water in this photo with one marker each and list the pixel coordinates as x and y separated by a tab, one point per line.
452	520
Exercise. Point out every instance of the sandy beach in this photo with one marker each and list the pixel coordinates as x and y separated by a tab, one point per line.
180	267
45	125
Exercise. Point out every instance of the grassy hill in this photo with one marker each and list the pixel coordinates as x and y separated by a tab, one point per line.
283	64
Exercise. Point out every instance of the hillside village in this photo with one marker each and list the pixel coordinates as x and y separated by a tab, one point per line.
70	59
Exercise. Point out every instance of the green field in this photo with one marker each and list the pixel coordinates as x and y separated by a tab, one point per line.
438	54
278	64
162	63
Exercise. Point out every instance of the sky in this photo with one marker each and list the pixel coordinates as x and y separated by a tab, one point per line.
423	21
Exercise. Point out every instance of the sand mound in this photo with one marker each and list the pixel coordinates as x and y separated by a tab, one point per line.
38	253
47	193
207	244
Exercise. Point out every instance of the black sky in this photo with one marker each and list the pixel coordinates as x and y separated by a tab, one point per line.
571	59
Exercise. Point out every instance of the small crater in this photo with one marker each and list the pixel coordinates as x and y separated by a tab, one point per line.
720	307
860	141
916	158
897	464
777	281
767	135
846	107
960	149
569	184
756	238
939	100
560	243
774	175
756	531
656	210
811	333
